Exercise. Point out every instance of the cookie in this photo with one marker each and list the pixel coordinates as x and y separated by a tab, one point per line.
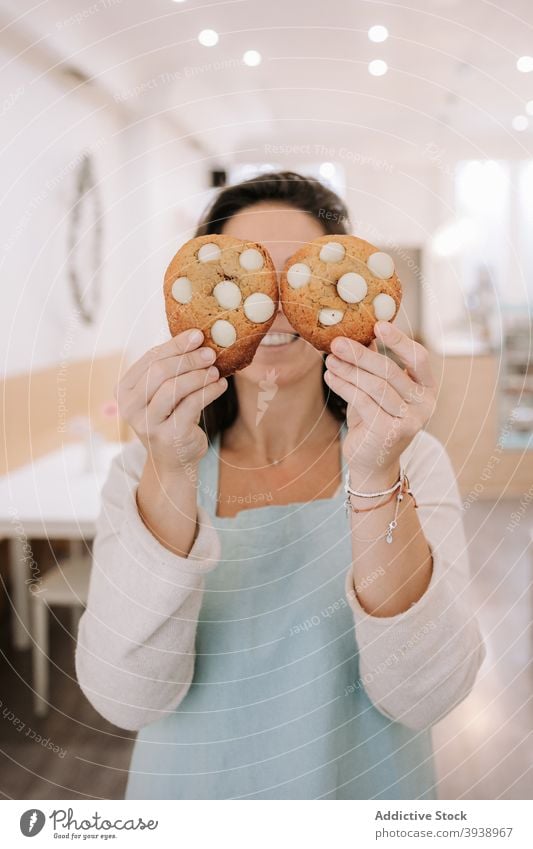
226	287
339	286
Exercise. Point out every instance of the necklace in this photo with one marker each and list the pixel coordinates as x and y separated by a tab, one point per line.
277	460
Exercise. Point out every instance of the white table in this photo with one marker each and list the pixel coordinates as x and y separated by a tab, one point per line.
56	497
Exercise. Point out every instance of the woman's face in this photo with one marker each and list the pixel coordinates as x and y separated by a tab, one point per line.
282	230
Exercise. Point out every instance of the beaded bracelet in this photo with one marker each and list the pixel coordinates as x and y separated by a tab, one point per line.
403	489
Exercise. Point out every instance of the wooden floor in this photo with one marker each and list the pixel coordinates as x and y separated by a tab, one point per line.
93	756
484	749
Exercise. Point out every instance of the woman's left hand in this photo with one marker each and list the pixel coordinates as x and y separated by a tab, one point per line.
387	405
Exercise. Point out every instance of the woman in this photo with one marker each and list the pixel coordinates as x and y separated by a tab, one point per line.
264	638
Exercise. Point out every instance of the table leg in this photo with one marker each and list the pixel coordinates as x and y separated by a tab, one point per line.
20	577
40	656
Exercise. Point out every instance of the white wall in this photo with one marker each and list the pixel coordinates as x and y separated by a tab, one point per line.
150	192
166	181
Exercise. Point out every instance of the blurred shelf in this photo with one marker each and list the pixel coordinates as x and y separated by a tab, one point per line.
516	357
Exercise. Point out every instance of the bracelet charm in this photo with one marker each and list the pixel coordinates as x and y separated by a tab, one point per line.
397	491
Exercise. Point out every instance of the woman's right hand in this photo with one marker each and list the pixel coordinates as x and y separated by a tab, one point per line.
162	397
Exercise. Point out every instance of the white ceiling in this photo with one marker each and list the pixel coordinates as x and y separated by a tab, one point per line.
452	79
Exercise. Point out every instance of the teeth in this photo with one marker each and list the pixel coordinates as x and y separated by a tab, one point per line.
278	338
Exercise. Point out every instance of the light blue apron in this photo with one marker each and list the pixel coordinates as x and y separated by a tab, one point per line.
276	709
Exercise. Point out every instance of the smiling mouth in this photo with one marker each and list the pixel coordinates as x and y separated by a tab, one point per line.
273	339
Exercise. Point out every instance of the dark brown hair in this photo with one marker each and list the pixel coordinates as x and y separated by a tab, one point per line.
303	193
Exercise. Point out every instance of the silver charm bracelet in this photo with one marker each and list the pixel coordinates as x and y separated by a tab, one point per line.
402	485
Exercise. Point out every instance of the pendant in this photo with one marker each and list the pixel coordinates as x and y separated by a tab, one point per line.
390	529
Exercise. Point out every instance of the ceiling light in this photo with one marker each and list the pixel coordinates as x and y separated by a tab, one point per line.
377	67
208	37
529	107
252	58
378	33
525	64
520	123
327	170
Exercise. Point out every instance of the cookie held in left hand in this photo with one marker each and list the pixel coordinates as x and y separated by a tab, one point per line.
339	286
226	287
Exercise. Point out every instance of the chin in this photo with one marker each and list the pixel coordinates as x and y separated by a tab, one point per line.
286	354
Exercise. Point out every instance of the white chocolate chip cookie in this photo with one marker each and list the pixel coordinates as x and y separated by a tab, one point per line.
226	287
339	286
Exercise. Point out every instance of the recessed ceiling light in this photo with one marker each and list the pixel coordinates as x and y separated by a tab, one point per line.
529	107
520	123
525	64
208	37
252	58
377	67
327	169
378	33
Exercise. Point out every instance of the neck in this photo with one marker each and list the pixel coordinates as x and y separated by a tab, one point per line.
274	421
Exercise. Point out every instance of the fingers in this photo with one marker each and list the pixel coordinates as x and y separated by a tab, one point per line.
179	344
194	403
162	370
379	365
369	410
173	391
414	355
376	387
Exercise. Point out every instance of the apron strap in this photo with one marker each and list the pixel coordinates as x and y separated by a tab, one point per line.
208	476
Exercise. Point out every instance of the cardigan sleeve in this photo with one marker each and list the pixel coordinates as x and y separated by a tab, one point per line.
418	665
135	649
